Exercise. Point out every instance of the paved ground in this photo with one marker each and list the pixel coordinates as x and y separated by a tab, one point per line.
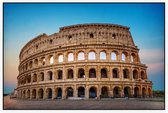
110	104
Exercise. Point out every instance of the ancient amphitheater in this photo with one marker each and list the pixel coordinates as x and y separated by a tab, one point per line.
82	61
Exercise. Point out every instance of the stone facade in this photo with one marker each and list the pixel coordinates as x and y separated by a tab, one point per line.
85	60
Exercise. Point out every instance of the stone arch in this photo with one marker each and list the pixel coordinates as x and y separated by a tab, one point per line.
41	93
92	92
34	94
69	92
24	94
36	63
59	92
43	60
114	55
143	92
143	76
26	66
29	79
60	58
117	92
70	74
41	77
115	72
124	56
125	73
51	59
60	74
149	92
81	92
30	64
92	73
103	55
81	55
48	93
35	77
28	93
127	91
135	74
136	92
70	56
103	73
133	58
104	91
50	75
92	55
81	73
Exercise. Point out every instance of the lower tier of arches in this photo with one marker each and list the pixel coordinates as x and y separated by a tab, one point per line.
84	91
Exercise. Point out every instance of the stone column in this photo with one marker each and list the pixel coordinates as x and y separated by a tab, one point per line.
122	91
98	74
87	92
86	73
75	91
121	73
64	73
98	92
53	93
64	92
75	73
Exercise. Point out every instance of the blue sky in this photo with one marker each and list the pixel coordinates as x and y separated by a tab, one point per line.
23	22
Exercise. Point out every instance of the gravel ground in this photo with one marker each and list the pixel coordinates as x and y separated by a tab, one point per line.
106	104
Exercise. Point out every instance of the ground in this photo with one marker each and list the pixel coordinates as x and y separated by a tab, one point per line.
104	104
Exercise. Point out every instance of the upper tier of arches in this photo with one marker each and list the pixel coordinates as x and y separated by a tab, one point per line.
83	35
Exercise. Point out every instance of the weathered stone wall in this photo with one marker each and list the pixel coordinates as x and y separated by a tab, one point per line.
115	77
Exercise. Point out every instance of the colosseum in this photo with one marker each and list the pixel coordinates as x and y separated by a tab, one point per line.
82	61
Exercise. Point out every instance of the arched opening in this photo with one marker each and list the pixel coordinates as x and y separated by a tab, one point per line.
81	56
113	56
69	92
143	92
104	92
36	63
115	73
150	92
92	92
60	58
81	73
24	94
70	74
59	74
124	56
92	73
127	92
70	57
92	55
143	77
103	73
133	58
116	92
50	75
49	93
28	94
43	61
136	92
29	79
81	92
35	78
135	74
59	92
51	59
91	35
30	64
40	93
103	55
33	93
126	73
41	76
